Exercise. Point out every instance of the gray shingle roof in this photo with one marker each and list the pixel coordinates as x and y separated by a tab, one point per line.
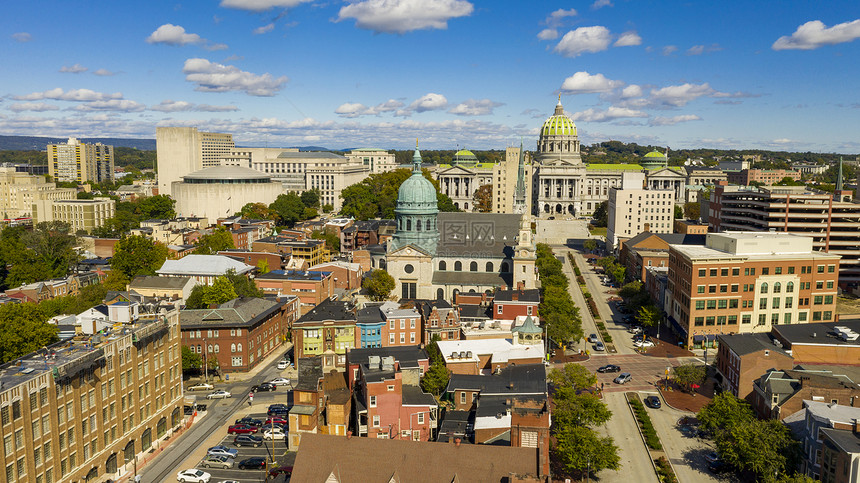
743	344
512	380
239	312
477	235
150	281
329	309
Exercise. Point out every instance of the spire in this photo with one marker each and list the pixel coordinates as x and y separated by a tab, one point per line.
520	192
839	176
416	159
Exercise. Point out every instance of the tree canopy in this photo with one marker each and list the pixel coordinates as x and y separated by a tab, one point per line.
138	255
212	243
378	284
376	195
559	314
483	198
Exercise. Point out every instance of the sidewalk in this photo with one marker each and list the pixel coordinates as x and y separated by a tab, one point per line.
276	355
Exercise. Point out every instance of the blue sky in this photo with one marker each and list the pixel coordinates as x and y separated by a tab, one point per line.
452	73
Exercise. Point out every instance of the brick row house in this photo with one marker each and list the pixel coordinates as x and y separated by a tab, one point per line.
439	318
328	330
311	287
322	402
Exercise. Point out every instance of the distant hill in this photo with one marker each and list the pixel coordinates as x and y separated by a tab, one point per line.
26	143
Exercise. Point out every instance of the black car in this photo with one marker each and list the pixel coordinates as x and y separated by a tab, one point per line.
252	464
247	440
250	421
264	387
609	368
718	467
652	402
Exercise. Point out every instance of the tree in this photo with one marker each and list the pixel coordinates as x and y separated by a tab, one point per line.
692	210
679	212
257	211
331	240
116	280
378	284
212	243
571	378
328	208
563	329
590	244
138	255
190	360
725	411
580	449
483	198
289	208
435	380
244	286
765	448
601	214
580	409
54	245
311	198
23	329
157	207
688	374
195	298
648	315
376	195
219	292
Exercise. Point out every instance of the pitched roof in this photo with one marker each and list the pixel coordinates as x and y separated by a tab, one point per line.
165	283
329	309
239	312
477	235
529	295
212	265
353	460
528	327
511	380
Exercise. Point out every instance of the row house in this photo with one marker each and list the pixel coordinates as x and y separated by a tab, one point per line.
311	287
328	330
807	426
59	287
439	319
322	402
345	275
779	394
510	304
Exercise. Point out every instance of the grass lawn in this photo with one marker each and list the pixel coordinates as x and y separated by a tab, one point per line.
594	230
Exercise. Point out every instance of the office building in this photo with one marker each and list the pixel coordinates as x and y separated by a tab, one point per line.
633	209
184	150
512	181
377	160
767	177
80	162
748	282
19	191
86	215
90	407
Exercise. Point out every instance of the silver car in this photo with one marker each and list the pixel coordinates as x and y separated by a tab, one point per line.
213	461
623	378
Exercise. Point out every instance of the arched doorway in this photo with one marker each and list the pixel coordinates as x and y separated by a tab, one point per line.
161	427
128	452
175	418
93	475
110	464
146	439
559	209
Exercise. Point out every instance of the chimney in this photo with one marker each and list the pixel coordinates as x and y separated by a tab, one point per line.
515	296
457	442
348	434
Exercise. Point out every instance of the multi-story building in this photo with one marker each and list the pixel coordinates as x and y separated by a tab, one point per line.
462	178
345	275
184	150
439	318
313	251
222	190
86	215
748	282
204	269
510	304
506	180
704	176
833	221
648	249
808	426
81	162
311	287
840	454
88	408
633	209
322	402
378	160
328	330
746	177
402	325
20	190
822	343
239	333
778	394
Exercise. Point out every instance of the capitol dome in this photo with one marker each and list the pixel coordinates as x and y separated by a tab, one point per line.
558	139
654	159
559	124
465	157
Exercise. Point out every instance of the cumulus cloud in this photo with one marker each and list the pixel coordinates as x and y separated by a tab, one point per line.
669	49
601	3
815	34
584	39
680	95
76	95
401	16
701	49
475	107
632	90
429	102
353	110
22	37
173	35
264	29
261	5
32	106
628	39
213	77
184	106
73	69
668	121
104	73
583	82
597	115
556	18
548	34
120	105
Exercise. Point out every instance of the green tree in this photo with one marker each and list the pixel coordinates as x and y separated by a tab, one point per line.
116	280
580	409
579	449
212	243
376	195
765	448
219	292
435	380
331	240
679	212
590	244
601	214
648	315
195	298
724	412
138	255
289	208
243	285
311	198
378	284
571	378
483	198
688	374
23	329
158	207
190	360
328	208
257	211
691	210
116	226
54	245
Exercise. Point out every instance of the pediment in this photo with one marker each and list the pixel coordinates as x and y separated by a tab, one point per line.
454	170
408	250
666	173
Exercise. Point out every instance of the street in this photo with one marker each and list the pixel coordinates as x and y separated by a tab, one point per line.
635	460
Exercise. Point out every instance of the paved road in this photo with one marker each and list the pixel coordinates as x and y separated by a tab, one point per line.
635	460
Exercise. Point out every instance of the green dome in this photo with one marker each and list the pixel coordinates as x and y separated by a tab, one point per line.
559	125
465	153
654	160
417	193
655	154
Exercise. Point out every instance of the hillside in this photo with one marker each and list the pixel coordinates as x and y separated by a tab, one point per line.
26	143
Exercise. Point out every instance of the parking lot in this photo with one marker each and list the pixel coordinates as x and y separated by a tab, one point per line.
268	450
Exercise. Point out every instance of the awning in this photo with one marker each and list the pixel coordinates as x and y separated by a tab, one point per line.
677	327
711	337
698	338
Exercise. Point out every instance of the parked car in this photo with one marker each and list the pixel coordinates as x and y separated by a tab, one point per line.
252	464
644	343
193	476
274	433
609	368
712	457
598	346
217	462
283	364
250	421
718	467
222	451
280	381
592	338
633	329
653	402
277	411
276	420
281	470
188	410
241	429
218	395
247	440
622	378
201	386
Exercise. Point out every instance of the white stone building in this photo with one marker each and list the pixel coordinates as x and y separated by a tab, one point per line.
634	209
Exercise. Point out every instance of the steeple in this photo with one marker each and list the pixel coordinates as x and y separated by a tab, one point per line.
416	159
520	192
839	176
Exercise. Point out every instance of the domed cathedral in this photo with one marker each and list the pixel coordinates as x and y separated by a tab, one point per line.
436	255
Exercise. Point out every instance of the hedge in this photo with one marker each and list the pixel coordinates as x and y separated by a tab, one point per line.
651	438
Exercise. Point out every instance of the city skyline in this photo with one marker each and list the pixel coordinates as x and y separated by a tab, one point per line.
452	73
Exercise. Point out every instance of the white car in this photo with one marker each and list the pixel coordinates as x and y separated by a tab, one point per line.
280	381
283	364
218	395
193	476
274	433
643	343
201	387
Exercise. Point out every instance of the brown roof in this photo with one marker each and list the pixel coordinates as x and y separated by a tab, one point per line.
371	460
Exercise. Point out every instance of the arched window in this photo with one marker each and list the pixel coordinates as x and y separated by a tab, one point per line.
777	287
232	347
764	287
239	347
417	225
217	348
440	294
408	224
789	287
442	265
473	267
458	267
209	348
427	225
489	266
505	267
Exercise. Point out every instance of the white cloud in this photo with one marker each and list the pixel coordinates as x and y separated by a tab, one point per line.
669	49
583	82
701	49
173	35
632	90
668	121
601	3
628	39
213	47
261	5
783	141
213	77
548	34
22	37
73	69
264	29
597	115
32	106
475	107
401	16
121	105
429	102
557	17
584	39
353	110
815	34
680	95
104	72
76	95
184	106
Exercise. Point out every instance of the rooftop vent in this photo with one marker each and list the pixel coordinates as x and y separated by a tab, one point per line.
454	355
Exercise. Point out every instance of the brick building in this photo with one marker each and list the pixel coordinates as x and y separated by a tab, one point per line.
742	359
271	261
779	394
486	356
438	318
322	402
840	455
746	177
345	275
311	287
820	343
651	250
328	330
510	304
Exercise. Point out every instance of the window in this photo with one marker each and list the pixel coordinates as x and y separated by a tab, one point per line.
762	319
819	285
762	304
801	317
712	289
764	287
788	302
818	300
735	288
723	303
789	287
777	271
777	287
712	304
458	266
710	320
733	320
724	288
713	272
721	320
700	321
700	289
703	272
736	272
746	319
700	305
724	272
499	308
830	284
420	418
827	315
473	267
462	398
821	269
375	420
236	361
765	270
831	268
786	319
828	299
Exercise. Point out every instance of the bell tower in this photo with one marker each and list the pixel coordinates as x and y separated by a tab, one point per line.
524	256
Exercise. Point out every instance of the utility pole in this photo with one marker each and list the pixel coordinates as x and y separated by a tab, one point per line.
205	362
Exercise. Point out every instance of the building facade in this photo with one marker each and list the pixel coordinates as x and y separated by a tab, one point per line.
80	162
328	330
184	150
633	210
377	160
222	191
19	191
86	215
310	287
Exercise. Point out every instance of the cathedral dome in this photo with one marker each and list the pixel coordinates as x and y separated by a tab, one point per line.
417	192
654	160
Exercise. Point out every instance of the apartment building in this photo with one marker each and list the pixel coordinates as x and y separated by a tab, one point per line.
20	190
87	408
745	177
86	215
633	209
184	150
329	330
81	162
748	282
310	287
833	221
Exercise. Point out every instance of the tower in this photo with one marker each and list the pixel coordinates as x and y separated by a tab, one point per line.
520	205
524	256
416	211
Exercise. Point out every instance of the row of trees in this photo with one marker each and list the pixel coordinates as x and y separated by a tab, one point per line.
129	214
612	268
225	288
560	316
376	195
578	448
